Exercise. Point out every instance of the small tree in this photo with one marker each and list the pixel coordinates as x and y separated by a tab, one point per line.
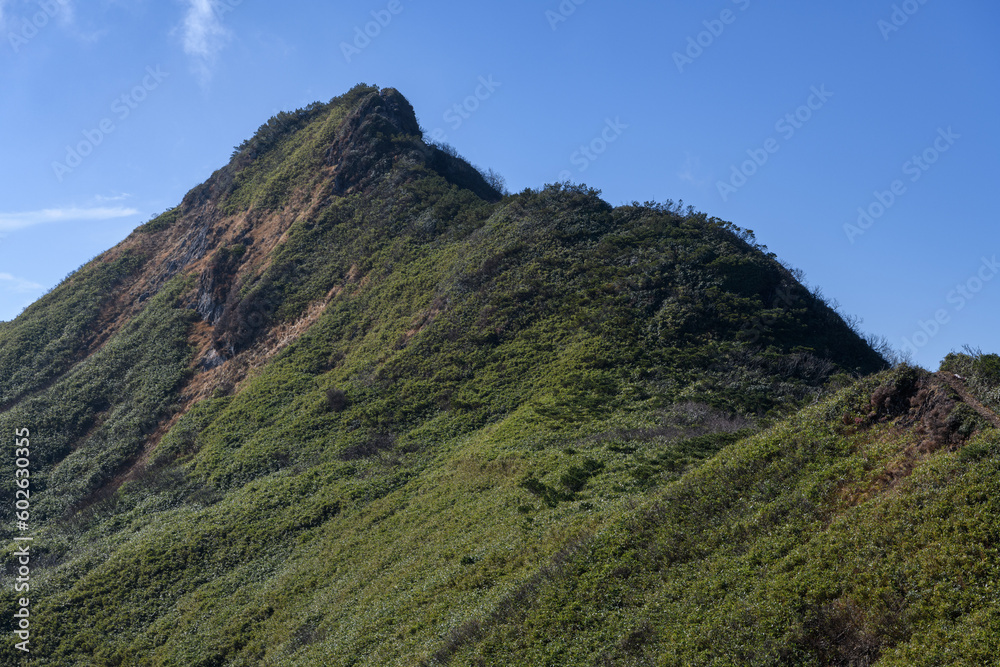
496	181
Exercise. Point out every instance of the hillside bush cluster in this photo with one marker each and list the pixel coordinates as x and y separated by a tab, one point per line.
981	372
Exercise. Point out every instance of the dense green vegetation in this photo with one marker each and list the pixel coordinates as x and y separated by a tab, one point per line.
981	371
528	429
93	419
59	329
803	545
160	222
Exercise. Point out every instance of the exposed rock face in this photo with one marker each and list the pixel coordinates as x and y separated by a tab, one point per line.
209	309
362	151
212	360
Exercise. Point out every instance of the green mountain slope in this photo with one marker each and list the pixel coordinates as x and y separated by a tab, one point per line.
861	531
350	404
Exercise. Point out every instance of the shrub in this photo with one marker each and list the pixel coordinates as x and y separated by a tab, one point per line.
370	446
336	399
574	479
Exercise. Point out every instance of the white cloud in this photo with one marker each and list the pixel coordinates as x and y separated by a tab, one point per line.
689	172
204	36
101	199
13	221
9	283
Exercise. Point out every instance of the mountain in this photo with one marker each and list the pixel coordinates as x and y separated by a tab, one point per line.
352	403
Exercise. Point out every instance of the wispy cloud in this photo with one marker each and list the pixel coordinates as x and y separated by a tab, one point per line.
9	283
66	12
204	37
13	221
101	199
689	171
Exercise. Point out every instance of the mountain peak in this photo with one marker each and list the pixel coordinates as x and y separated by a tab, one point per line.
390	105
363	150
346	365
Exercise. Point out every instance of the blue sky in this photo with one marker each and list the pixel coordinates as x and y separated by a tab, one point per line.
858	140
